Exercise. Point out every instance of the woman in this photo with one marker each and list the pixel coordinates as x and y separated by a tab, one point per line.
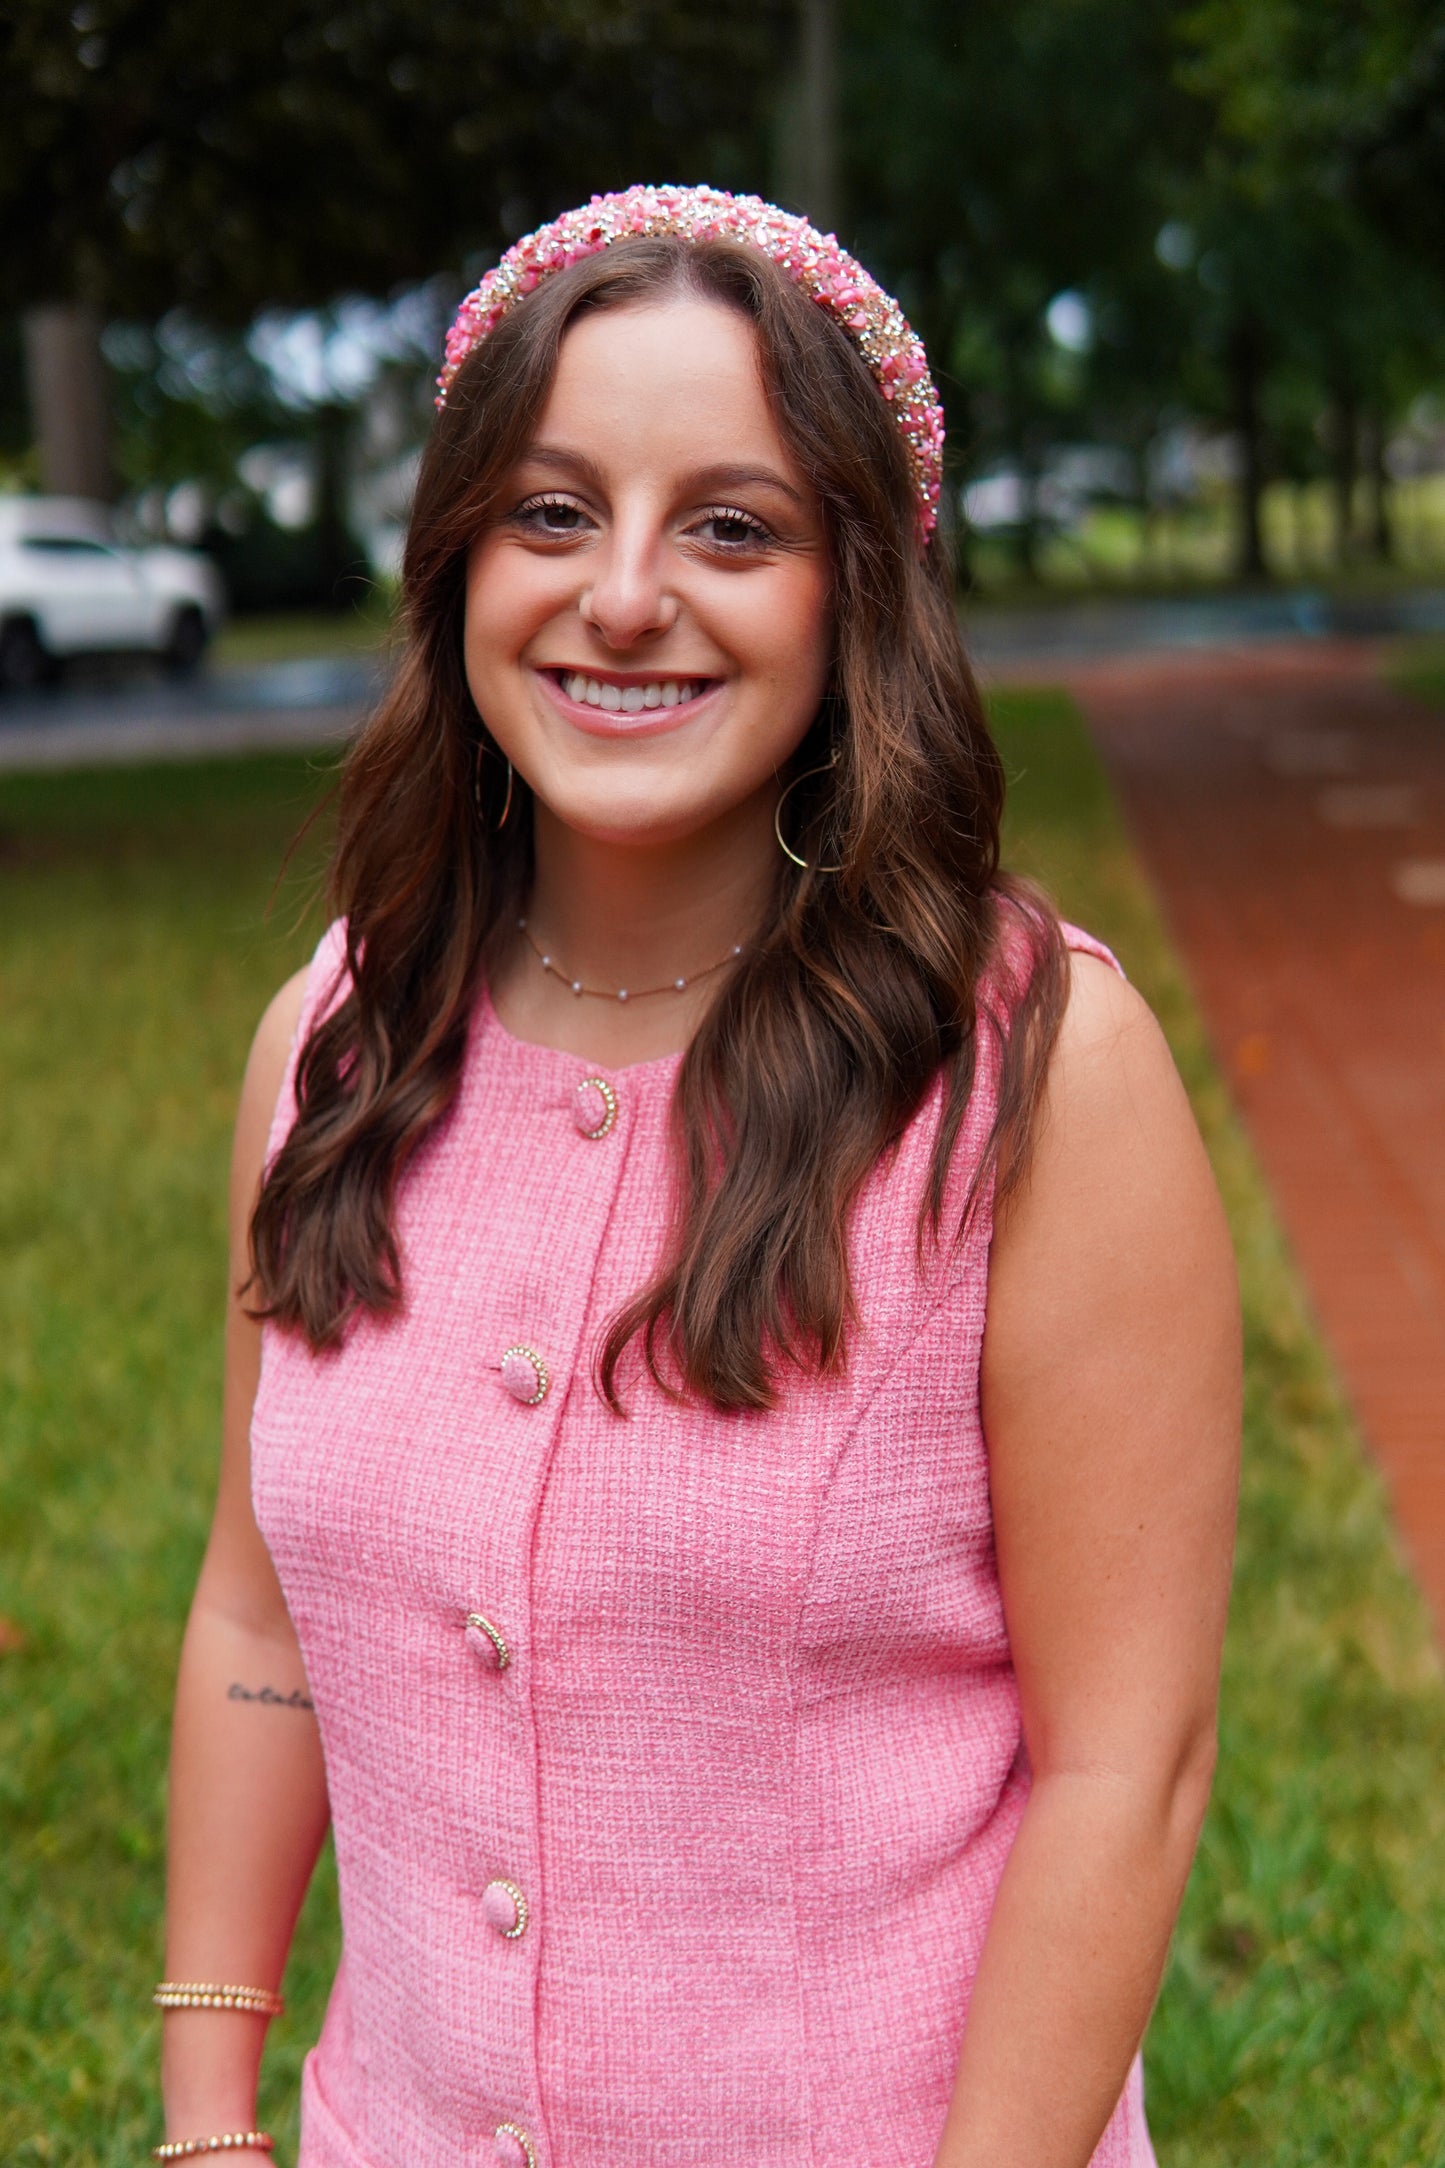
743	1458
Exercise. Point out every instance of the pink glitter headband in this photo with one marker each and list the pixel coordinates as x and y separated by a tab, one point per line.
814	261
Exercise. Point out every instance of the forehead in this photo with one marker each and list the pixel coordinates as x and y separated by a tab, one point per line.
674	381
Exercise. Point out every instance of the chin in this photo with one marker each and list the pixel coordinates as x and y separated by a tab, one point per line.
636	819
638	834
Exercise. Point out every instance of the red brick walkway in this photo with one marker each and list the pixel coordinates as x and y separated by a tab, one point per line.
1291	810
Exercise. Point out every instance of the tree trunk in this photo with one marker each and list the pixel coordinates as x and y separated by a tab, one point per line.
808	162
69	400
1344	469
1381	513
1246	370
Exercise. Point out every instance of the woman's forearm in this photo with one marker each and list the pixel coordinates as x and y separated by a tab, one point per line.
247	1816
1071	1965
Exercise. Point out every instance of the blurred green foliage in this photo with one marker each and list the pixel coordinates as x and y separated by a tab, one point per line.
281	152
1112	219
1201	178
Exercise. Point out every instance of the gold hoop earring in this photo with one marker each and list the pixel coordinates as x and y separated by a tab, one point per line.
787	849
505	814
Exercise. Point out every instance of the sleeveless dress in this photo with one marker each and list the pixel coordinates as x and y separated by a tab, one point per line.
673	1760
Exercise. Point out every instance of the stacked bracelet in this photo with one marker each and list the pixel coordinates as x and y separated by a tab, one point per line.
206	1995
259	2141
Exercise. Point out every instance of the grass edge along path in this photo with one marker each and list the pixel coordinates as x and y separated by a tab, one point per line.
1305	1993
1418	667
1305	1988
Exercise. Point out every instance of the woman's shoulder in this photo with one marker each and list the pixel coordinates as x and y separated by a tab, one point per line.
1026	931
1114	1113
1080	943
300	1002
1110	1098
267	1065
1101	1006
271	1065
276	1032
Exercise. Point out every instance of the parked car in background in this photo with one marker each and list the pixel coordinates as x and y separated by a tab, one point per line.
68	587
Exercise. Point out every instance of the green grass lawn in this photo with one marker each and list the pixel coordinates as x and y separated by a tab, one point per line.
1301	2019
298	635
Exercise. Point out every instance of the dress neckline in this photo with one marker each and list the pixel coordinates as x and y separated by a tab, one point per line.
553	1057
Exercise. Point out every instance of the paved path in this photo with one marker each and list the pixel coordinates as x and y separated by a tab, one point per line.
115	719
1291	809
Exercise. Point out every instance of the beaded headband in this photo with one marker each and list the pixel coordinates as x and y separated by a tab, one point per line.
812	260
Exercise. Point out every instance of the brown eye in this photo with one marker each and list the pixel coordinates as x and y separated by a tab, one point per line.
551	516
732	530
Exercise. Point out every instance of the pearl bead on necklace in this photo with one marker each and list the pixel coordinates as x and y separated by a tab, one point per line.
620	993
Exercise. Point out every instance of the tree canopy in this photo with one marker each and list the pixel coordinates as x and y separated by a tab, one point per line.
256	153
1105	216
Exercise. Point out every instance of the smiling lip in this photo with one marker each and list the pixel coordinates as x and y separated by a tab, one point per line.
643	722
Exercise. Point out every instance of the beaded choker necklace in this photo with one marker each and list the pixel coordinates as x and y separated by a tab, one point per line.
619	993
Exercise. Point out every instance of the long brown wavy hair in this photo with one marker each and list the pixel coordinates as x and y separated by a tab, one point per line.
865	984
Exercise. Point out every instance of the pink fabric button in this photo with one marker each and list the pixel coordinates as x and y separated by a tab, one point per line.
594	1107
524	1374
513	2148
505	1908
486	1641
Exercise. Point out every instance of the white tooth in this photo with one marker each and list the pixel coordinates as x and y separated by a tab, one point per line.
669	693
611	699
632	699
652	696
576	686
593	694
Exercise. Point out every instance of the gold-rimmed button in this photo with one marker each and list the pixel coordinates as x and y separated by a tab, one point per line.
487	1641
594	1108
524	1374
505	1908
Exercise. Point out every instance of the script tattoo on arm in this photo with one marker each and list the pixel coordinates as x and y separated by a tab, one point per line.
268	1694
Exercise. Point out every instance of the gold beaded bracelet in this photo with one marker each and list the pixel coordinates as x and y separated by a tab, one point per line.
259	2141
206	1995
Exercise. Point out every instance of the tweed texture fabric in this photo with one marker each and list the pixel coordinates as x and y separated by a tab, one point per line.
734	1721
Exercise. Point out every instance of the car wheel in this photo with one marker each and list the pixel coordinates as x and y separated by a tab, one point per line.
25	660
189	639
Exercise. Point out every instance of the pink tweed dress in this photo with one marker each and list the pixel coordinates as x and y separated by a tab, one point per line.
673	1761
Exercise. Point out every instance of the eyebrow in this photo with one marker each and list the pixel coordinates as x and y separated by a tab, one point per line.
703	479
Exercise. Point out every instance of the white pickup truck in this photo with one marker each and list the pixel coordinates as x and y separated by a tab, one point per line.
67	587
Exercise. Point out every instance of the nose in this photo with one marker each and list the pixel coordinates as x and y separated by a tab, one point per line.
628	600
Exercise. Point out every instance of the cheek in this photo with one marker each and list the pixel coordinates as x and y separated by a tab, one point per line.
506	600
793	631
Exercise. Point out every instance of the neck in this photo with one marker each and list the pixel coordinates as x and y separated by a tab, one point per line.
632	916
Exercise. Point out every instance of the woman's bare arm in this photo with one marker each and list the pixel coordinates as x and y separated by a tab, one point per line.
1111	1393
248	1791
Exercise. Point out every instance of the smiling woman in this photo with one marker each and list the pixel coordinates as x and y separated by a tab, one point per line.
742	1568
702	620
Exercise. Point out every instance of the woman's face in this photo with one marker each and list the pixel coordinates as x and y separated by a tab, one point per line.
647	622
